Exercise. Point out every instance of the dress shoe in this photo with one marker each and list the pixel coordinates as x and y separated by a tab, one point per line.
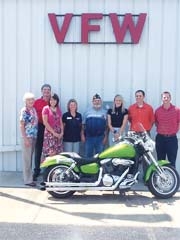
32	184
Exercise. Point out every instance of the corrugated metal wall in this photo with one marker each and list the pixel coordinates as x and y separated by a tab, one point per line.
30	56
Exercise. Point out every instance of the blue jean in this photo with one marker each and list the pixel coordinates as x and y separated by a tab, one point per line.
111	136
71	147
93	145
167	146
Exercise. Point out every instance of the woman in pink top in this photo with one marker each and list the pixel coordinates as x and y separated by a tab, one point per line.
53	134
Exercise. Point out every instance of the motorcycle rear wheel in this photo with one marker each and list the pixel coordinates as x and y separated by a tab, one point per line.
55	174
164	188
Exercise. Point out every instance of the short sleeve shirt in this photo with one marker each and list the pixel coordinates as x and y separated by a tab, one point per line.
117	116
143	115
53	118
30	119
72	129
38	105
167	120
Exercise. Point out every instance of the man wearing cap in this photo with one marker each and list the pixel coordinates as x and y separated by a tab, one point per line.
94	127
38	105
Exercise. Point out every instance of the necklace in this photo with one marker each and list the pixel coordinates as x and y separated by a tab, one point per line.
53	109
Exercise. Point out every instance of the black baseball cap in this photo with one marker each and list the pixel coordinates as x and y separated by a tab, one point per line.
96	96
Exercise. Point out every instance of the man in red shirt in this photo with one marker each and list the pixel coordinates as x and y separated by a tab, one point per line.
140	112
167	120
38	105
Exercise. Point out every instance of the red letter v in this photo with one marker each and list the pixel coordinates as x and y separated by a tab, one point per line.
60	34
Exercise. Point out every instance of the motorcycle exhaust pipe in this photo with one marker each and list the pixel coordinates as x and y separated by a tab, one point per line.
66	189
74	184
70	184
58	187
61	186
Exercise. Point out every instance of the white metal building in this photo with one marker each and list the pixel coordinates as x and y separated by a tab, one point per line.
31	56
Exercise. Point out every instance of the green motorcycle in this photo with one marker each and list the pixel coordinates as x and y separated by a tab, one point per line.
115	169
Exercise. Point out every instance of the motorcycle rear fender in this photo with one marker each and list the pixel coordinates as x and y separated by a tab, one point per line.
58	159
152	168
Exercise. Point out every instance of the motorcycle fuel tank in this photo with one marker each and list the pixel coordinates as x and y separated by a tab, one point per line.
120	150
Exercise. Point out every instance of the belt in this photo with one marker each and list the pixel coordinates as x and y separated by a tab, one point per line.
167	135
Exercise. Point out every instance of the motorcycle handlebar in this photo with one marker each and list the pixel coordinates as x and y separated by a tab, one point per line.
131	134
118	139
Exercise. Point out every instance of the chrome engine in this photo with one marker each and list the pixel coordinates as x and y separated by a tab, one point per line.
108	180
123	162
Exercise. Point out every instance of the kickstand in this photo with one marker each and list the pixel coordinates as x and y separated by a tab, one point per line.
122	193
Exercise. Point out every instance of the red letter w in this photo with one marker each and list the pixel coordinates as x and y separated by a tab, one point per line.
127	24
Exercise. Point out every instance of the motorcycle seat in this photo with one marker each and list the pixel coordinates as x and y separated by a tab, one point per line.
70	154
83	160
80	160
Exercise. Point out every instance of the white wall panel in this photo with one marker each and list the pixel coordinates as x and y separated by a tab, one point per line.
23	80
154	52
81	62
38	51
169	45
1	79
52	75
125	73
110	72
79	89
95	71
125	6
111	6
9	72
139	51
177	57
9	81
30	56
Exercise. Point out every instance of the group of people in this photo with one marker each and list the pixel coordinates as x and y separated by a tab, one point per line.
47	131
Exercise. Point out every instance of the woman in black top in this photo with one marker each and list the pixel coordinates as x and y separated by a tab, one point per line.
72	121
117	118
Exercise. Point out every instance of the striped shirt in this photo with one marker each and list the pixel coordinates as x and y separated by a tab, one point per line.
167	120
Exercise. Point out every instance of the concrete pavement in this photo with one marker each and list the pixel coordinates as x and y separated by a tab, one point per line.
28	213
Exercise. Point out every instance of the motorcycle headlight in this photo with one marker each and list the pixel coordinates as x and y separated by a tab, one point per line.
149	145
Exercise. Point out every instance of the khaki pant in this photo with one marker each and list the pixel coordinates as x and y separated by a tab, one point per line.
27	154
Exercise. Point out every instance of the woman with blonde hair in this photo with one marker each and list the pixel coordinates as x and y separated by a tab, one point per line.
117	118
72	121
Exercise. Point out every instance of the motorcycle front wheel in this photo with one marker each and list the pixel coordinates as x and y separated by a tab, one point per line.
164	187
58	174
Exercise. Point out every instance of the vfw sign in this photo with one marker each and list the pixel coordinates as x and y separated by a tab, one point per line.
97	28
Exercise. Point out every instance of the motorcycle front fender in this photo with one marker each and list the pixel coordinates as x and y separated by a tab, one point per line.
152	168
58	159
